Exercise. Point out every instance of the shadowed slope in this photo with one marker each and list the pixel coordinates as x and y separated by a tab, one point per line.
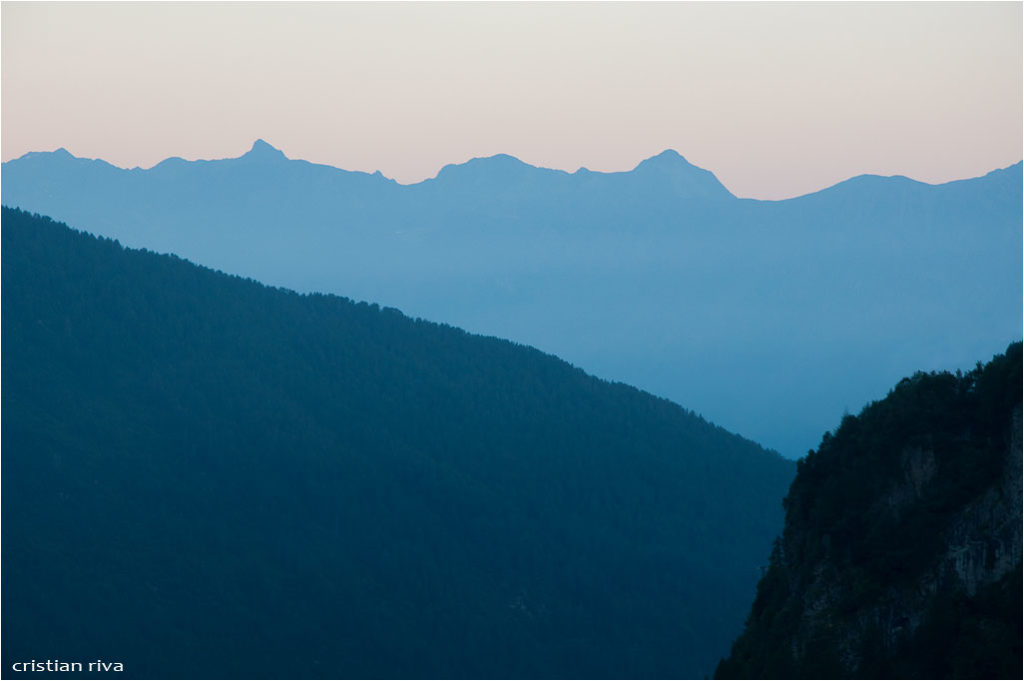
205	477
901	556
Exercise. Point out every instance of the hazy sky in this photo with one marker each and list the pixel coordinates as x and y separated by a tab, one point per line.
777	99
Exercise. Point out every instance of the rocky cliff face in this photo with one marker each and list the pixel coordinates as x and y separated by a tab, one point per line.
984	540
901	555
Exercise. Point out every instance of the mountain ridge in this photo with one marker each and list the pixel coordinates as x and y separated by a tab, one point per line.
263	150
656	277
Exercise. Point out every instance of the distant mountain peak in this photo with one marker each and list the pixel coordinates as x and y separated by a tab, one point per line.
498	166
494	161
263	150
665	158
688	180
56	153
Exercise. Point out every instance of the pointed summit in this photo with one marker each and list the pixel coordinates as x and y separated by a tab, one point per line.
685	179
61	153
262	150
667	158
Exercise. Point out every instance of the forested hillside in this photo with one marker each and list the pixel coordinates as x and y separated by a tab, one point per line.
205	477
901	556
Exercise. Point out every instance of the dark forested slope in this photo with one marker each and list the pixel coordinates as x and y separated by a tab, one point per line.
901	556
206	477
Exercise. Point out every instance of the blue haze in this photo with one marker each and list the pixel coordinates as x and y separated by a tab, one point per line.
770	318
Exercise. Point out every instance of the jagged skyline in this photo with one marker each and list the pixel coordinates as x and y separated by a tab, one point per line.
777	99
262	148
658	277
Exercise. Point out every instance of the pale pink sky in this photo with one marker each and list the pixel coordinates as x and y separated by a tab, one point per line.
777	99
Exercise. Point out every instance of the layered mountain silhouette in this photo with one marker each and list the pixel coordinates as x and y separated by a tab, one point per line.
768	316
901	557
208	478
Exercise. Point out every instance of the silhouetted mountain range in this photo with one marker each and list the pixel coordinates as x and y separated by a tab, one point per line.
768	316
208	478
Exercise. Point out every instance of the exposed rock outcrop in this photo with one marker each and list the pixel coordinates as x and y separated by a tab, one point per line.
901	555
